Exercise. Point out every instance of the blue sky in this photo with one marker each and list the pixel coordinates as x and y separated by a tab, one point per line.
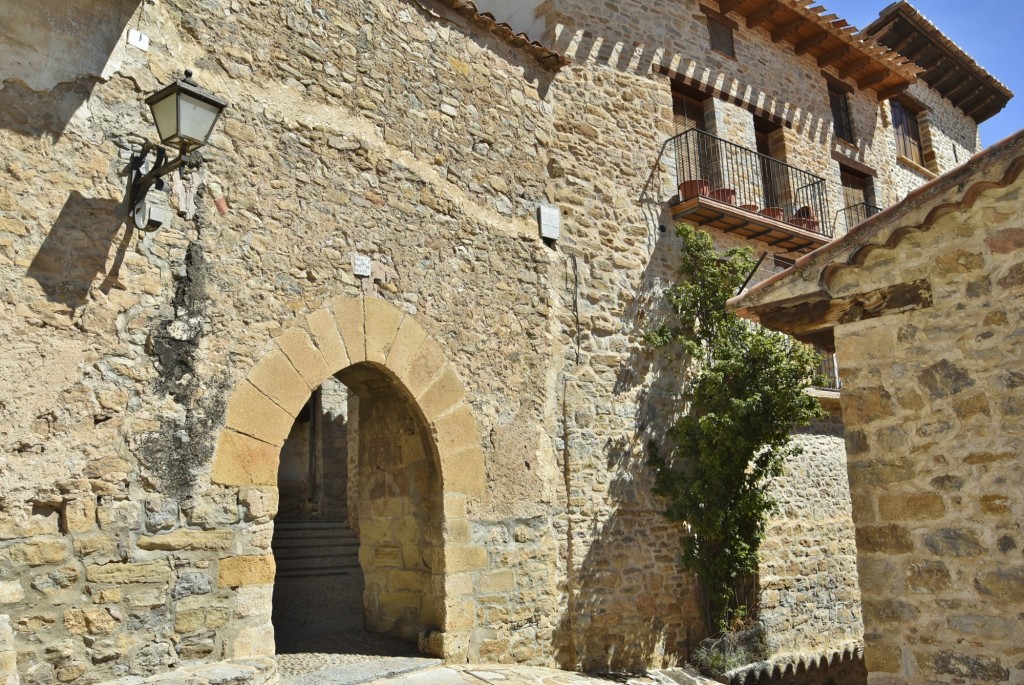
990	31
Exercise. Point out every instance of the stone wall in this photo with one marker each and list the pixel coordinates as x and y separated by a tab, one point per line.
810	601
933	409
154	377
924	306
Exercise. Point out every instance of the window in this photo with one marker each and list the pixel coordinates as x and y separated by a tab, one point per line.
721	37
858	196
840	103
908	132
687	108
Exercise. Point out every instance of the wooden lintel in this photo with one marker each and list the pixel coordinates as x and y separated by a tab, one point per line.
832	57
854	67
809	44
728	5
872	79
811	319
891	91
788	29
755	19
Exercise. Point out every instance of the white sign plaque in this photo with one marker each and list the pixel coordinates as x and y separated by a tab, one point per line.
550	219
362	265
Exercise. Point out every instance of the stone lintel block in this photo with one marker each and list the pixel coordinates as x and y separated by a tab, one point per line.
382	321
348	316
122	574
326	337
455	646
407	343
37	552
910	506
456	431
444	393
241	460
458	559
276	378
456	531
499	581
188	540
259	502
460	614
304	356
78	514
465	471
459	584
454	505
406	581
246	570
425	367
251	412
255	641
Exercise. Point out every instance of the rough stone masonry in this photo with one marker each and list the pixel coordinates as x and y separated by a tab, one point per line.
149	379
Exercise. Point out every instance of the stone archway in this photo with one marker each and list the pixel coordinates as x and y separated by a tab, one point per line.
371	334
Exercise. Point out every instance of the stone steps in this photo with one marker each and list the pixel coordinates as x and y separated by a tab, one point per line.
315	548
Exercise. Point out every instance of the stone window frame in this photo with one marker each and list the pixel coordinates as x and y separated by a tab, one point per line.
912	134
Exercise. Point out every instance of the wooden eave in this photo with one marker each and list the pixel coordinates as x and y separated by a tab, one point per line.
829	40
946	68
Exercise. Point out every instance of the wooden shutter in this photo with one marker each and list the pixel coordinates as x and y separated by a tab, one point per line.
908	132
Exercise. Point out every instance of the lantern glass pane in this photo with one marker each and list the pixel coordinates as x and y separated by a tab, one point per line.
165	114
197	118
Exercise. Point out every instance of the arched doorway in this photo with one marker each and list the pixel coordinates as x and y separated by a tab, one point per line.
419	567
358	531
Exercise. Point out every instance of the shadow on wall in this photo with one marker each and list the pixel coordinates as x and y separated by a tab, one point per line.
631	605
52	54
75	250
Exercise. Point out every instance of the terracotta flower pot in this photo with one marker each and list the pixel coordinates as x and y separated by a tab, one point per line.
772	213
749	208
691	189
726	195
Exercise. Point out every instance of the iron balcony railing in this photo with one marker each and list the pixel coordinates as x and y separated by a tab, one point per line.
855	214
726	172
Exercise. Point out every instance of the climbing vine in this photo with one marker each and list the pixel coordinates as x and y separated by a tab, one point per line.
744	395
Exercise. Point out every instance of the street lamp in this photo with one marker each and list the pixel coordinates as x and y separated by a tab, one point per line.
185	115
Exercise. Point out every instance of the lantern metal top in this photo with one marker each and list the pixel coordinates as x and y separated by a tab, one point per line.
188	86
185	114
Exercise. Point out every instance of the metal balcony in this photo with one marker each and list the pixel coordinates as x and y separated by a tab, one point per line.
855	214
737	190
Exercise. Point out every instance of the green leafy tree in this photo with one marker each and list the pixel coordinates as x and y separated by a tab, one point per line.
746	393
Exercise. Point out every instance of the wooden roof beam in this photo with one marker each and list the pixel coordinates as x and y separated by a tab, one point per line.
788	29
854	67
915	54
976	101
966	90
873	79
942	85
809	44
833	57
904	42
725	6
755	19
